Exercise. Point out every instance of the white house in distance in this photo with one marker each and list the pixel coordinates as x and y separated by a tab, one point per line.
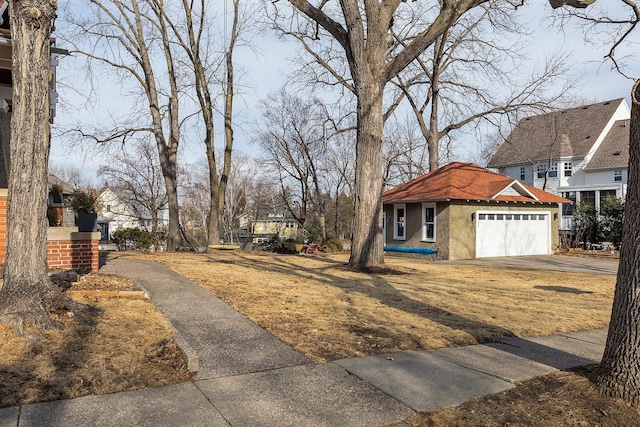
581	154
114	215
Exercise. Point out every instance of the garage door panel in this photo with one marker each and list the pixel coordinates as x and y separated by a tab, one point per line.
512	234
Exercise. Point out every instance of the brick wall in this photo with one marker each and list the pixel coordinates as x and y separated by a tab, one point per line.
67	249
79	255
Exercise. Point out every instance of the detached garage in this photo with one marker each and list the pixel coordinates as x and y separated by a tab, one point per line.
465	211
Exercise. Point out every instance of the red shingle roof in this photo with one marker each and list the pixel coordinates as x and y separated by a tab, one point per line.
466	181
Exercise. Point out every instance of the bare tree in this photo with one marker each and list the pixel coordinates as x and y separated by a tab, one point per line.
620	367
71	174
475	72
362	30
27	294
242	178
127	37
294	137
136	177
204	74
405	152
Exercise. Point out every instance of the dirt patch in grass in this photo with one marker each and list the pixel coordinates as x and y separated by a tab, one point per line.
558	399
127	345
328	311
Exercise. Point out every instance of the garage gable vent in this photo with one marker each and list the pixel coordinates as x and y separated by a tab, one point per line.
515	189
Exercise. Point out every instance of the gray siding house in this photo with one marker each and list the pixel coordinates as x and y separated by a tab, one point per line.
581	154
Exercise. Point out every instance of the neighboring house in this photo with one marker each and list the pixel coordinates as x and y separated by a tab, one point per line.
59	191
262	229
465	211
581	154
114	215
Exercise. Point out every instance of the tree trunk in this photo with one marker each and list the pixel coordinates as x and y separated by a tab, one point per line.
213	223
620	366
27	292
366	246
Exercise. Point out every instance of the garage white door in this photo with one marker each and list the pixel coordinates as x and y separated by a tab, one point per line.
501	233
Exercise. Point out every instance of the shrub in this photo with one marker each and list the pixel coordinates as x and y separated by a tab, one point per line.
52	216
332	245
586	226
285	246
611	213
83	202
133	238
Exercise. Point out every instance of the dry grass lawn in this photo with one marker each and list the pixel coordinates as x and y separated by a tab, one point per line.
328	311
127	345
555	400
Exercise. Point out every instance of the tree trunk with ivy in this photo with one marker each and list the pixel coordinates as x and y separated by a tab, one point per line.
27	294
620	366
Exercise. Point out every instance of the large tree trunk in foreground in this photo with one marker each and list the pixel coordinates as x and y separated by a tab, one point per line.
27	293
620	367
366	246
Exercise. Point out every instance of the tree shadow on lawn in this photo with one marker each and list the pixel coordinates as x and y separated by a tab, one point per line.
379	289
49	366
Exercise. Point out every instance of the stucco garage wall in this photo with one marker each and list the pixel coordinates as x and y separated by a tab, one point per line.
414	228
463	241
455	228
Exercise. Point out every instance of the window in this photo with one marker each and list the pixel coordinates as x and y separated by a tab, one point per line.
567	209
542	169
553	171
568	169
399	217
523	173
588	197
617	176
289	224
428	222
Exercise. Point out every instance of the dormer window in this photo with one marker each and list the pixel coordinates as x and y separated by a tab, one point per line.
568	169
541	169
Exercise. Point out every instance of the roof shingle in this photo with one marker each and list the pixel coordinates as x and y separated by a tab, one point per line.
614	150
466	181
563	133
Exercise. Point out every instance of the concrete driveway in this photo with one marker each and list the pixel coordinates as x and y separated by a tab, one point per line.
547	262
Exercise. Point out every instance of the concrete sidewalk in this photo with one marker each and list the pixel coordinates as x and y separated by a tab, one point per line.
246	377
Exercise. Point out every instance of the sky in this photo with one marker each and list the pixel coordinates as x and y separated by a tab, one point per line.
264	70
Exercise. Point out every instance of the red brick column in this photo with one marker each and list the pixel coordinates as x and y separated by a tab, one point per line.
67	249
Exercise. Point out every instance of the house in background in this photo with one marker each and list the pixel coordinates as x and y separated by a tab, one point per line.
465	211
59	191
114	214
581	154
265	226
